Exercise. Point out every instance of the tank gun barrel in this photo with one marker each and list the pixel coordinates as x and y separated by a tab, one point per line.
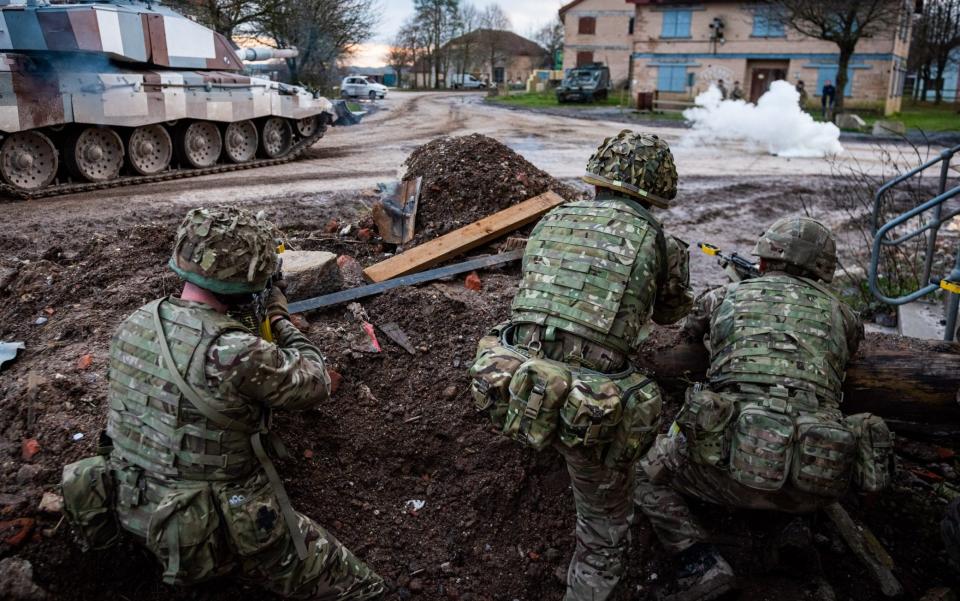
262	54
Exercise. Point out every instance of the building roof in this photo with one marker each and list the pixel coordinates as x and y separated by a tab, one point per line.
511	43
568	6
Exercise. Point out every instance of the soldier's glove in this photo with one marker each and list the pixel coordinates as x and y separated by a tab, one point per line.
277	304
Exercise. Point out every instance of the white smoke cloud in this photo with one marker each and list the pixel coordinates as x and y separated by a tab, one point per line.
775	124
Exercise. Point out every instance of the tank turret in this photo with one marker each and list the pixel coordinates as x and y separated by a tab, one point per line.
130	91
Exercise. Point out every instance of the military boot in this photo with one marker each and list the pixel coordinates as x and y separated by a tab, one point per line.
703	575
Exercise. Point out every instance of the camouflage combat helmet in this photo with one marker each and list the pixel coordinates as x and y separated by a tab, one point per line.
225	250
800	241
640	165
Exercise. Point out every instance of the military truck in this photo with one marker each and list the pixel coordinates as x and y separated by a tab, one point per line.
110	92
588	83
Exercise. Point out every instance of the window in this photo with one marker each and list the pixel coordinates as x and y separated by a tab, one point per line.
632	24
588	25
498	75
584	58
768	23
676	24
672	78
829	73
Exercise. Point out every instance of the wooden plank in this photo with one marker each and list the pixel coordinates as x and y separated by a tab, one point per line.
344	296
468	237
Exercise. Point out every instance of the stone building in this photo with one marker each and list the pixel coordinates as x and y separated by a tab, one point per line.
599	31
494	56
677	53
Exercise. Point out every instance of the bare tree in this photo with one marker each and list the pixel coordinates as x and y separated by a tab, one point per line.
400	56
324	31
493	22
224	16
550	36
843	22
936	36
436	16
464	46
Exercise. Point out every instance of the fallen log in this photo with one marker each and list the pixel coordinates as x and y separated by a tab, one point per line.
897	378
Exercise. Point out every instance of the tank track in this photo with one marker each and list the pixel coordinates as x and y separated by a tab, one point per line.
12	192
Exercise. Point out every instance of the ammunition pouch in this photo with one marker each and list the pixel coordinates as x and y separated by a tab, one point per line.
252	514
823	457
703	420
185	535
88	502
761	448
537	389
875	462
490	375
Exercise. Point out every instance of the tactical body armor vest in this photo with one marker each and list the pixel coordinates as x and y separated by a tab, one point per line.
592	269
771	414
152	425
780	330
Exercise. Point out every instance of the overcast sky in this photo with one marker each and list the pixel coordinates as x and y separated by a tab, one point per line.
525	15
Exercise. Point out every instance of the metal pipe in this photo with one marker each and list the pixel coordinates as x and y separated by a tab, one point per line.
877	198
946	155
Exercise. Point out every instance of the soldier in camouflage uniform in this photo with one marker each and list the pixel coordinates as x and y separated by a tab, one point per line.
595	273
779	347
191	391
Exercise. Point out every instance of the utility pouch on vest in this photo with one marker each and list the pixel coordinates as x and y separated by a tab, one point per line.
129	482
761	448
642	407
875	462
88	502
490	376
703	420
252	513
537	390
184	534
823	457
591	411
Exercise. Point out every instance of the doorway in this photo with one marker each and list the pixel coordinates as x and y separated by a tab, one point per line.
764	73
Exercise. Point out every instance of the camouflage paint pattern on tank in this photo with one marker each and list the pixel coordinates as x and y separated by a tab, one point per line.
83	63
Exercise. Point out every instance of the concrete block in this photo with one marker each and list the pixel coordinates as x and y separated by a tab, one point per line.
310	273
921	320
851	121
889	128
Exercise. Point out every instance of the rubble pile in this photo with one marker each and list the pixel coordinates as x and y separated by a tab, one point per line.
469	177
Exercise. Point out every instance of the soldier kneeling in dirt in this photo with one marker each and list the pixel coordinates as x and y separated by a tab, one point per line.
595	272
766	432
185	466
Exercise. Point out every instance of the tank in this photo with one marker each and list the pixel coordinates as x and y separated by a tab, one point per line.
105	93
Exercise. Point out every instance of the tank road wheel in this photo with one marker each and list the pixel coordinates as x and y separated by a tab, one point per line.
28	160
240	141
149	149
276	138
308	126
95	154
199	144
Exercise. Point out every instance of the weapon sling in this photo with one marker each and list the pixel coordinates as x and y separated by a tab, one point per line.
224	421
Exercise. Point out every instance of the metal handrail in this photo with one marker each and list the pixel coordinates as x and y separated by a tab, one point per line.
932	226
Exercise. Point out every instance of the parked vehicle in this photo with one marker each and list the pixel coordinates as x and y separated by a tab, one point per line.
588	83
356	86
466	81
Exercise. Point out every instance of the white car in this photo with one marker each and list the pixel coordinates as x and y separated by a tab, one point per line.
356	86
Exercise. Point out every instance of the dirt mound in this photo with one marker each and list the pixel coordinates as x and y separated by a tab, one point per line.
467	178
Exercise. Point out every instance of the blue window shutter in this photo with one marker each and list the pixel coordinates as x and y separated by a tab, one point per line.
669	24
672	78
767	24
683	23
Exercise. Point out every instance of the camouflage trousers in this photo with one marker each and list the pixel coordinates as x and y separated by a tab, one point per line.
235	529
666	476
603	498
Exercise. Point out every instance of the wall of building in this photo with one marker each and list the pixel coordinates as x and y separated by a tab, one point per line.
611	42
673	53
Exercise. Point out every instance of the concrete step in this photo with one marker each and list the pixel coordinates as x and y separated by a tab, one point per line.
921	320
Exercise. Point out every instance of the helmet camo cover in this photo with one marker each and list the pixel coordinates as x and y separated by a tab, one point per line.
802	242
637	164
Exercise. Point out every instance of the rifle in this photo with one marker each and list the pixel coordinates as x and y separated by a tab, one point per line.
260	300
736	267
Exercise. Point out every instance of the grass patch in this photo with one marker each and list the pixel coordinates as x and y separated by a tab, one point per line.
915	115
549	100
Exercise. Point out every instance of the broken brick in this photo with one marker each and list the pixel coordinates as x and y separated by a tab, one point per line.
335	379
365	235
308	454
473	282
15	532
29	448
85	361
332	226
